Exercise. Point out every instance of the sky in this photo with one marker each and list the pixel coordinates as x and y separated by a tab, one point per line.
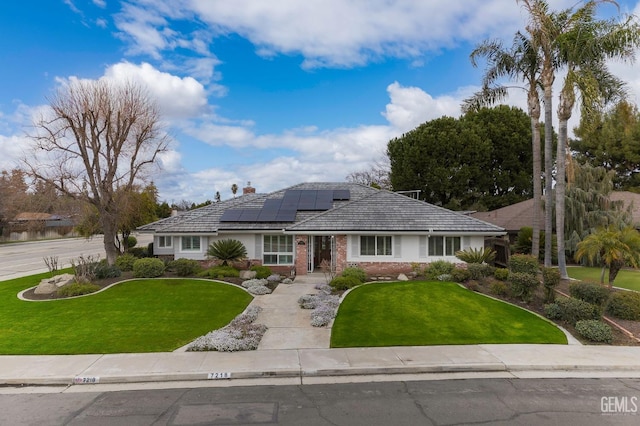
271	92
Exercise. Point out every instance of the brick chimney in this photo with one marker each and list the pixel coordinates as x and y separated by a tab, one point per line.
248	189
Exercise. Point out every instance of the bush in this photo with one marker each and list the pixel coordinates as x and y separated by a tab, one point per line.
228	250
445	277
460	275
499	288
344	283
501	274
184	267
355	272
523	263
550	279
479	271
479	255
139	252
222	272
574	310
131	242
589	292
594	330
523	285
261	271
624	305
149	267
437	268
125	262
553	311
104	270
77	289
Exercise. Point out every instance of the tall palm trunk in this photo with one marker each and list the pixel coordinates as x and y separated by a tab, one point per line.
564	114
547	81
534	113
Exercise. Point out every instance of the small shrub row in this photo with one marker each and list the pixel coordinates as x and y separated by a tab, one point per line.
103	270
77	289
261	271
624	305
437	268
501	274
184	267
344	283
125	261
571	310
523	285
257	286
589	292
460	275
357	273
479	271
523	263
148	267
240	335
594	330
221	272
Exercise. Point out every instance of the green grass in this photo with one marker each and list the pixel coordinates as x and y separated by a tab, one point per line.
146	315
433	313
626	278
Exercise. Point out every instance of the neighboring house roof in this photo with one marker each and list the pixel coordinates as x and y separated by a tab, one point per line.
363	209
516	216
28	216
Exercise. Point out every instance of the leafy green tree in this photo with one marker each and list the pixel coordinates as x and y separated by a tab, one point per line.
613	248
479	161
611	139
227	250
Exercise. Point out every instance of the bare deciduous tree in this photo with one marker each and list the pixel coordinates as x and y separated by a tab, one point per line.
96	140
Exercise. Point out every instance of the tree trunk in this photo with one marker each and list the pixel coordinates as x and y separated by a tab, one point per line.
110	233
560	194
614	268
534	113
604	268
548	167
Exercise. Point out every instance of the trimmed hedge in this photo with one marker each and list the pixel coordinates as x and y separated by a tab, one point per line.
221	272
572	310
184	267
501	274
261	271
595	331
77	289
125	261
355	272
523	285
148	267
589	292
523	263
624	305
344	283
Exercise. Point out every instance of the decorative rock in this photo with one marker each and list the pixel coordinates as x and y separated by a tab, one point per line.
402	277
51	285
247	275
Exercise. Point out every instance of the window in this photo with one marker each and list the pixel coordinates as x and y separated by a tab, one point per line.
443	246
164	241
190	243
375	245
278	250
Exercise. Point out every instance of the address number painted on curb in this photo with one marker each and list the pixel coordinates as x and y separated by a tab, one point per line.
86	380
219	376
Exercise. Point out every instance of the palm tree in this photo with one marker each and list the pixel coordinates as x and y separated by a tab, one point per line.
234	189
520	62
228	250
613	248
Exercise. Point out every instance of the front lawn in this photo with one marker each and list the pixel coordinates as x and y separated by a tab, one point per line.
626	278
433	313
146	315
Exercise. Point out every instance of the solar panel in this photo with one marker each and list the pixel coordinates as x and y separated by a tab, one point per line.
324	200
249	215
267	215
307	200
341	194
231	215
286	216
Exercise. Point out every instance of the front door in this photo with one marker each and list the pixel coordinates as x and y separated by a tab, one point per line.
322	250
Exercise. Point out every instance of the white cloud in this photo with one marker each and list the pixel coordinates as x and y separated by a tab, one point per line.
177	97
100	3
12	148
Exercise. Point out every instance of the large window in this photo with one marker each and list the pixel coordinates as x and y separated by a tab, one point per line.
278	250
190	243
164	241
375	245
443	246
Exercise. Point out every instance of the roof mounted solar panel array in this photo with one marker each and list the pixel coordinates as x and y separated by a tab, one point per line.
285	209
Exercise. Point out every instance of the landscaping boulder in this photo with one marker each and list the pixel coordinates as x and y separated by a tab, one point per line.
51	285
403	277
247	275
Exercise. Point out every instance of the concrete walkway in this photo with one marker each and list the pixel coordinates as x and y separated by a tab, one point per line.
289	325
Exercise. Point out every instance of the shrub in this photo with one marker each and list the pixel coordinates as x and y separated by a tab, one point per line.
228	250
553	311
589	292
479	255
573	310
524	240
274	278
523	263
254	282
125	261
460	275
437	268
344	283
501	274
479	271
261	271
624	305
594	330
184	267
131	242
445	277
139	252
473	285
77	289
148	267
499	288
104	270
355	272
550	279
523	285
240	335
223	271
84	268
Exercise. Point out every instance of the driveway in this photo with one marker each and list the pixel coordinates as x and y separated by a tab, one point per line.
21	259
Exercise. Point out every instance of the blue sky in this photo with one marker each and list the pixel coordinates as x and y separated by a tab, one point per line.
273	92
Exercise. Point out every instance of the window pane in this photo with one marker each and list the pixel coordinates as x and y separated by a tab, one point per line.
195	243
384	246
186	243
267	243
436	246
285	259
367	245
270	259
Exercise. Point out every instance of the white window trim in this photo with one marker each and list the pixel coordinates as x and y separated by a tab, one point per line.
279	253
166	239
190	249
376	255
